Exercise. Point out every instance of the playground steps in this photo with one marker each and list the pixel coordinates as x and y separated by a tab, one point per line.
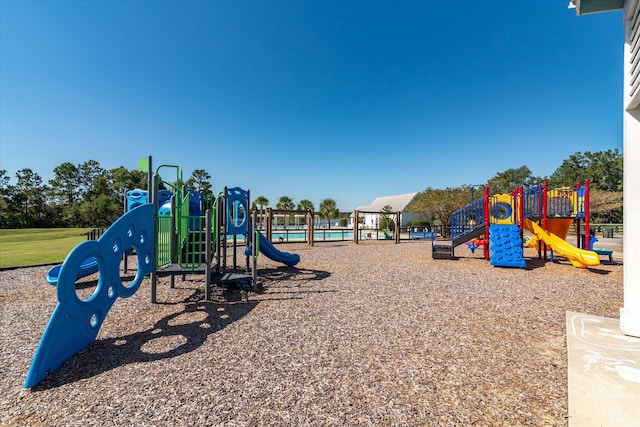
441	252
505	246
239	280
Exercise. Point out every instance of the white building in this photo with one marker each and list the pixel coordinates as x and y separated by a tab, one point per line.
599	394
397	203
630	313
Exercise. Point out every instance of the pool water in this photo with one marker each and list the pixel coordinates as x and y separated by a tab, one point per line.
325	235
319	235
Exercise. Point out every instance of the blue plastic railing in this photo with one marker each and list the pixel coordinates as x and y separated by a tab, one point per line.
467	218
562	205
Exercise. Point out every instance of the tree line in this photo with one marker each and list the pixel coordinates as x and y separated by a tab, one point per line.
83	195
87	195
603	169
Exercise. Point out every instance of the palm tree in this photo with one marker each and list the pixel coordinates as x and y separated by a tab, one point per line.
285	203
306	205
262	202
328	210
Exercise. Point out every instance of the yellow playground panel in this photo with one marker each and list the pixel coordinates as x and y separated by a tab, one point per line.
502	209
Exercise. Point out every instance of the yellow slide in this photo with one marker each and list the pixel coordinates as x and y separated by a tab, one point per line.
578	257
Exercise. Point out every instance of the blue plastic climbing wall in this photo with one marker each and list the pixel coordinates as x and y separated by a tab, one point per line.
505	246
75	323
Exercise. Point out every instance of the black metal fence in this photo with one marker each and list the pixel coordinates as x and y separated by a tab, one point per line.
95	233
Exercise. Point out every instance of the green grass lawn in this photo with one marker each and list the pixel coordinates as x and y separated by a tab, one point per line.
34	246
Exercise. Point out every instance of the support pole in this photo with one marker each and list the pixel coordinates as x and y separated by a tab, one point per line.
587	225
486	223
234	255
310	228
250	222
521	209
219	233
224	229
356	224
125	258
154	273
579	236
254	256
575	200
174	239
269	230
150	183
545	195
208	256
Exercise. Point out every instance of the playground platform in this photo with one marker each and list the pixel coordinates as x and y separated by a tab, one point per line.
604	372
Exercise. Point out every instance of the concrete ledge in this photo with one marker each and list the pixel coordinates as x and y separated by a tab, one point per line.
604	372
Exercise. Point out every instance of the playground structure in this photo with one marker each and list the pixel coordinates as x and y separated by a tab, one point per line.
172	233
497	223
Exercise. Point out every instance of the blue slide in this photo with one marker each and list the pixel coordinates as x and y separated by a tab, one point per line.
270	251
88	266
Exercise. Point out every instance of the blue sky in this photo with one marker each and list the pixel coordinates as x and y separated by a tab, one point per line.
342	99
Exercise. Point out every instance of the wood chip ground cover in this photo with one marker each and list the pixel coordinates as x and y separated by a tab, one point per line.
369	334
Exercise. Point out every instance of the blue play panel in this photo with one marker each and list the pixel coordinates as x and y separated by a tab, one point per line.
505	246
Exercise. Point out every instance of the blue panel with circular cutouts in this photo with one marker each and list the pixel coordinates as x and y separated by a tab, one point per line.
75	322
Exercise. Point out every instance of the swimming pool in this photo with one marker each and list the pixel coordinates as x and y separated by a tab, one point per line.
322	235
318	235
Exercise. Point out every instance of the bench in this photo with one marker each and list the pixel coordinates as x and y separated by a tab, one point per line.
415	235
606	252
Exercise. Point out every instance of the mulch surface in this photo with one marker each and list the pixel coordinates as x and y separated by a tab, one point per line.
369	334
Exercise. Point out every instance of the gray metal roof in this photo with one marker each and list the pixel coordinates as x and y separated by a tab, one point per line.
397	203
